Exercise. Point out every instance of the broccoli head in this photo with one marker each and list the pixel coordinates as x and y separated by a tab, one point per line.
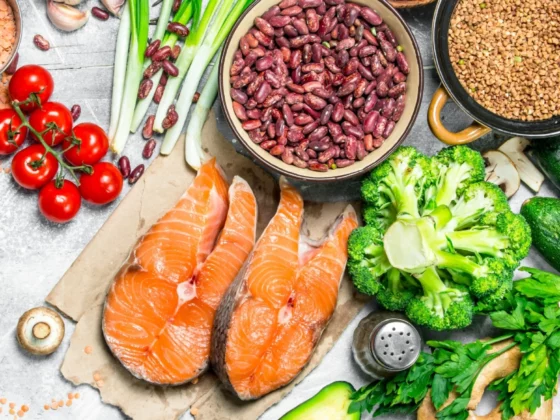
440	307
437	238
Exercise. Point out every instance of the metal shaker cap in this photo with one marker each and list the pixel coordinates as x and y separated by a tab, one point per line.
395	344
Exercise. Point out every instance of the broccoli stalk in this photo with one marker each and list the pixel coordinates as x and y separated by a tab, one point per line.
397	290
441	307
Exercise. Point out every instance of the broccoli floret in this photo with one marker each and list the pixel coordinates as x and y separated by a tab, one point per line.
397	290
380	218
398	181
440	307
367	259
482	275
481	202
496	301
509	239
455	168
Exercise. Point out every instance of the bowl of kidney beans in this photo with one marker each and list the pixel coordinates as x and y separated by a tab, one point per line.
321	90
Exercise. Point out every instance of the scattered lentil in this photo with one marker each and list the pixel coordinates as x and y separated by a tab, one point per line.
506	54
88	350
194	411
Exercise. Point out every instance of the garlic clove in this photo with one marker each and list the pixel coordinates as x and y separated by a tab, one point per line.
69	2
66	18
113	6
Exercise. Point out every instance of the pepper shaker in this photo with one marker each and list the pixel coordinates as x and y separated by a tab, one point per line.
385	343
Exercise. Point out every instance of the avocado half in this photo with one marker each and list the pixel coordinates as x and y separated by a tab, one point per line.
330	403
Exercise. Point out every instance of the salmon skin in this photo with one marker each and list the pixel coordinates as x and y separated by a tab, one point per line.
272	316
159	311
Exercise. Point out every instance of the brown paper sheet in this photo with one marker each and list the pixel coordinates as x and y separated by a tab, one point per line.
81	291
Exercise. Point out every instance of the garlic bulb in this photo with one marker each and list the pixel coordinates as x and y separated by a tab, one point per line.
113	6
66	18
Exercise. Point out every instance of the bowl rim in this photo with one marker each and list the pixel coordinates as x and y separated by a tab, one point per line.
14	4
443	13
326	178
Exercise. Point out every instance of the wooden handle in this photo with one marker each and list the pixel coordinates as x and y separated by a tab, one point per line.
469	134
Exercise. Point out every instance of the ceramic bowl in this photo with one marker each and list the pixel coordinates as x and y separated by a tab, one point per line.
17	15
413	97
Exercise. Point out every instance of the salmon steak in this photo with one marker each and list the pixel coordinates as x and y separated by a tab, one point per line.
273	314
160	308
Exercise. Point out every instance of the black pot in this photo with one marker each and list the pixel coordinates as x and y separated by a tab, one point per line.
485	121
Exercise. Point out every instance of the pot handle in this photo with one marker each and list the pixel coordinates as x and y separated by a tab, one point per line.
469	134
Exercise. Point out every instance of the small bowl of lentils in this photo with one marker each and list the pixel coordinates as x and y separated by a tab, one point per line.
500	62
321	90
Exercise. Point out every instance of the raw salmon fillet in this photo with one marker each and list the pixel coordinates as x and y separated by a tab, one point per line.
160	309
273	315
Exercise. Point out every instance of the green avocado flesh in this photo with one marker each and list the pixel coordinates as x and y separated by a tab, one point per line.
331	403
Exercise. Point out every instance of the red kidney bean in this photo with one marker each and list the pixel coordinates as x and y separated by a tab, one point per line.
368	142
273	11
361	152
351	117
279	21
389	51
351	15
300	27
314	101
159	93
330	63
288	115
286	54
388	108
171	118
254	114
239	96
370	16
305	4
402	63
338	112
350	147
237	66
152	69
360	88
382	58
310	127
272	100
251	59
251	104
175	51
264	26
342	58
41	43
295	88
285	4
399	107
254	85
264	63
152	48
383	81
288	156
343	163
301	153
239	111
380	127
148	129
318	167
263	39
76	111
389	129
370	103
312	154
327	155
346	89
170	68
300	163
318	146
268	144
399	78
277	150
318	133
251	124
99	13
376	66
312	20
291	30
334	129
295	59
149	148
351	67
295	135
145	88
370	122
178	28
162	54
326	114
345	44
292	11
352	130
136	174
124	166
262	92
397	90
303	119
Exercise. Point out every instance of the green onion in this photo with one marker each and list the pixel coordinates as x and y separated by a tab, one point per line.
183	15
183	63
140	20
119	70
193	150
213	41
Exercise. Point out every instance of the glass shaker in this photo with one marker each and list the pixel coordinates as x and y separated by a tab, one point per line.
385	343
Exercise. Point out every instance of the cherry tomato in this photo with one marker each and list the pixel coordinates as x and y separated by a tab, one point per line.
10	137
28	172
103	185
31	79
92	145
50	114
60	204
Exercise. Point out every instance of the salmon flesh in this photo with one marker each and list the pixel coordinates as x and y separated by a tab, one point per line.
160	309
273	314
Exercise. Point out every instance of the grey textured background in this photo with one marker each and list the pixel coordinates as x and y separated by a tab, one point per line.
34	253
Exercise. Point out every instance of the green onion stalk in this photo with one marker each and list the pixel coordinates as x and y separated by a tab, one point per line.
194	154
140	20
221	28
187	10
184	61
119	70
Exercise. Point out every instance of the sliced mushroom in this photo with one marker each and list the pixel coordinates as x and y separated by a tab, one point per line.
40	331
501	171
514	148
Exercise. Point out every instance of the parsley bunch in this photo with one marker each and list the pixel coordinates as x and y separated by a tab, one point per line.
531	312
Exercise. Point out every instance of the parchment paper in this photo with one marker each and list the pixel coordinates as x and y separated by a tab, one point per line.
81	291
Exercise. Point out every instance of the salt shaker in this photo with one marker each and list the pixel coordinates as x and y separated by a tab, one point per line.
385	343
